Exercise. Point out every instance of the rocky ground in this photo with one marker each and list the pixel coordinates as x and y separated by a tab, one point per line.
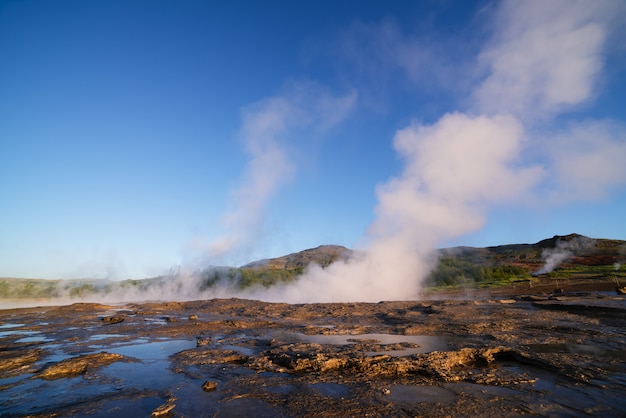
516	352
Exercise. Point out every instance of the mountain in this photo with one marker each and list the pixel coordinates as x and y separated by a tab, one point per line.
568	257
323	255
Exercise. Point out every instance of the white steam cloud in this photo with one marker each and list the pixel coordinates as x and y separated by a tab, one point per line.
563	251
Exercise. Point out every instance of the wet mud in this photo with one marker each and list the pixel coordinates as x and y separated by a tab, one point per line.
493	355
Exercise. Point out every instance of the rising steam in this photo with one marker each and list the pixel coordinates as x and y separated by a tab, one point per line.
563	251
267	125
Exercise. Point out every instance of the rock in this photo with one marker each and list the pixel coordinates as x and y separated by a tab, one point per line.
11	361
209	385
193	317
164	409
78	365
200	341
113	319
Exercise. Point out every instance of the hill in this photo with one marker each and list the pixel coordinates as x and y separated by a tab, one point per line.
562	256
324	255
568	257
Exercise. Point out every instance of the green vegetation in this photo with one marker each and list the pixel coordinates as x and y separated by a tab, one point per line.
583	271
266	277
454	271
28	288
245	277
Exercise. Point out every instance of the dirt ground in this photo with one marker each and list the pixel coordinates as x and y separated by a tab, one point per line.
516	352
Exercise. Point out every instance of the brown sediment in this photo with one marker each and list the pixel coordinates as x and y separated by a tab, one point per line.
498	354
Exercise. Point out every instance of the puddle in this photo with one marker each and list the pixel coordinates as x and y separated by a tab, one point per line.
478	390
97	337
141	407
14	379
150	351
332	390
4	334
243	350
416	394
248	407
24	396
38	339
586	349
157	321
426	343
5	326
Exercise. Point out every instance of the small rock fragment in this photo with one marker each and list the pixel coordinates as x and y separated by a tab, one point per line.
113	319
202	341
78	365
209	385
164	409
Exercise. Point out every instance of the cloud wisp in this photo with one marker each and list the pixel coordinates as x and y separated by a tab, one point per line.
267	127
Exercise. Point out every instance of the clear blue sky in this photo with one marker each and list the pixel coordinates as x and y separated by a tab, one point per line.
132	131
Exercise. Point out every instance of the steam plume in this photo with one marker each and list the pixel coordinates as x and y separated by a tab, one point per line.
266	126
563	251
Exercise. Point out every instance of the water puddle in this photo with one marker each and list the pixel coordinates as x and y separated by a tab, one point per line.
332	390
585	349
479	390
37	339
97	337
151	351
4	334
156	321
248	407
141	407
9	325
418	393
423	343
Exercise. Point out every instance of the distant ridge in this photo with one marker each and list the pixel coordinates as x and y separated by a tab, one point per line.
587	251
562	257
324	255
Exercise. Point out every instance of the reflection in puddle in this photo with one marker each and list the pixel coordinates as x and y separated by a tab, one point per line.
9	325
586	349
332	390
25	396
426	343
17	332
37	339
96	337
128	407
475	389
248	407
159	350
411	394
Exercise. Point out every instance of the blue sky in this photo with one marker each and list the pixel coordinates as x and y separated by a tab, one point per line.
140	135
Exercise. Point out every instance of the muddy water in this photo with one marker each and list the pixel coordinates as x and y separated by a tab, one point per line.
510	355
